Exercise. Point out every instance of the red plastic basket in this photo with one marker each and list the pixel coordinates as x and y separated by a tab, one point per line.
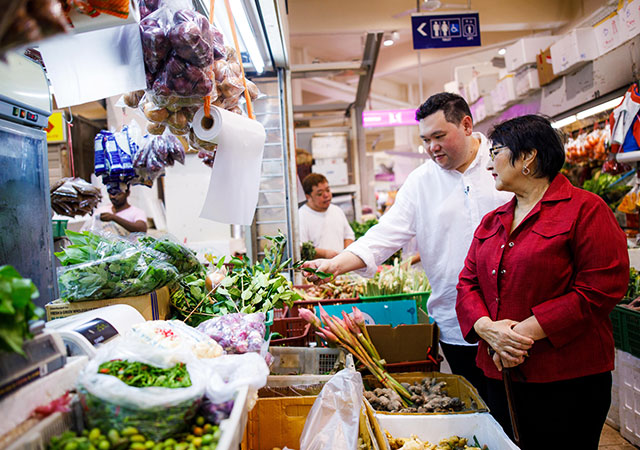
296	331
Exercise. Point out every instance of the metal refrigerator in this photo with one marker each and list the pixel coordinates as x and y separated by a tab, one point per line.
25	210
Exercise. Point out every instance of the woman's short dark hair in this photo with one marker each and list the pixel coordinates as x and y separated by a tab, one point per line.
529	132
453	107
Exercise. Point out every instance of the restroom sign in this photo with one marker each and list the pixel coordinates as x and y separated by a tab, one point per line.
445	30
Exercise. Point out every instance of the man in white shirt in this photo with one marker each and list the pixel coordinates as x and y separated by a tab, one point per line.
440	204
321	222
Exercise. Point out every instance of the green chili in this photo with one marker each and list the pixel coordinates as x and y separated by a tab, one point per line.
139	374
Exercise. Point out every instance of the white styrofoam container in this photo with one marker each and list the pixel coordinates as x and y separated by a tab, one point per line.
527	81
482	85
329	145
609	34
525	51
630	19
464	74
613	416
505	92
232	428
432	428
575	49
452	87
335	170
629	397
483	108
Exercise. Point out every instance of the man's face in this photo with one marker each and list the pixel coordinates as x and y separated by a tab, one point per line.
118	199
446	142
320	197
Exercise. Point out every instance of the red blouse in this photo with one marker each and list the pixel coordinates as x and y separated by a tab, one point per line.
566	263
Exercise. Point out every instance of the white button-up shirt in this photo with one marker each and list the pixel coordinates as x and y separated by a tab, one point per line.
442	209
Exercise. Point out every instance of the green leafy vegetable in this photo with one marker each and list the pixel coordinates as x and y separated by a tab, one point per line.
133	272
308	251
360	229
87	246
138	374
182	258
397	279
16	309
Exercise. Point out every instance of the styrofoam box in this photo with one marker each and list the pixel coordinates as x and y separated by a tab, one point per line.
432	428
575	49
609	34
483	109
613	416
629	397
329	145
482	85
525	51
630	19
232	428
464	74
497	101
334	169
505	92
452	87
527	81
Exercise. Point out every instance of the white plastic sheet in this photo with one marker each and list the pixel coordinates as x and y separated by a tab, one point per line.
334	419
94	65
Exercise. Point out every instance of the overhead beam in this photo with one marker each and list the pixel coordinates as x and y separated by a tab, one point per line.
324	69
321	107
369	60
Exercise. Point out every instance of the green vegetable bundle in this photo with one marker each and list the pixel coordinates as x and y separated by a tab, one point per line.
133	272
138	374
87	246
181	257
16	309
360	229
397	279
247	288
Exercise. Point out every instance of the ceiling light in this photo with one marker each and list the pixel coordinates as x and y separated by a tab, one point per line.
395	36
387	42
502	51
421	149
599	108
564	122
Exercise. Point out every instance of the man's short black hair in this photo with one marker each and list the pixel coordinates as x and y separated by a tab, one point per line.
525	133
453	106
312	180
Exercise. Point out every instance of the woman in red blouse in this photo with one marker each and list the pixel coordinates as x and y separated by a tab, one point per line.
540	279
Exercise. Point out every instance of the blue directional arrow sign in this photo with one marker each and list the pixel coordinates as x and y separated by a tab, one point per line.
445	30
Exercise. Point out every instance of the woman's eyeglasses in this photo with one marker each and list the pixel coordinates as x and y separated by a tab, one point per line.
493	151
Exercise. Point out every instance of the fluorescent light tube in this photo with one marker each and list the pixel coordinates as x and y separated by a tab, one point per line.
245	31
564	122
599	108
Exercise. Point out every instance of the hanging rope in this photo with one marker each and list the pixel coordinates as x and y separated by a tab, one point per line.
235	42
70	142
207	99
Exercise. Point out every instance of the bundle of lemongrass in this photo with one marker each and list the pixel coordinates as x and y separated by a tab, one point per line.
350	333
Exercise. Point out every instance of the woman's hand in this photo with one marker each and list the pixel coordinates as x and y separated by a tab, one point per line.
510	346
500	363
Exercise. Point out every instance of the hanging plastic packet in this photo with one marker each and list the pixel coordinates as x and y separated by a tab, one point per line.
113	154
125	151
99	159
629	203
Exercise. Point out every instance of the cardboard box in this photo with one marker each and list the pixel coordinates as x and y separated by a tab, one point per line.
335	170
527	81
525	51
545	68
481	85
574	50
392	313
405	343
505	92
277	422
464	74
630	20
453	87
153	306
329	145
432	428
483	108
457	386
609	34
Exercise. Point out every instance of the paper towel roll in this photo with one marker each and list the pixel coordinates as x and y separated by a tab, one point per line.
205	128
235	178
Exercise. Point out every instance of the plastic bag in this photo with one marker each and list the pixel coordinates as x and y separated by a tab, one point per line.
173	337
74	196
334	419
182	79
157	412
238	332
192	37
228	373
154	34
131	273
183	258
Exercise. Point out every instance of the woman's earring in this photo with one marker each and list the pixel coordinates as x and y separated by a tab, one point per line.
525	170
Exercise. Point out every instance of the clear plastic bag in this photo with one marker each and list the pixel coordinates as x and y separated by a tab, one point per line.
130	273
154	34
230	372
183	258
238	332
192	37
157	412
334	419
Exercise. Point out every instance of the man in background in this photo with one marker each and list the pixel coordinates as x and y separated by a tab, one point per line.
121	212
322	223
